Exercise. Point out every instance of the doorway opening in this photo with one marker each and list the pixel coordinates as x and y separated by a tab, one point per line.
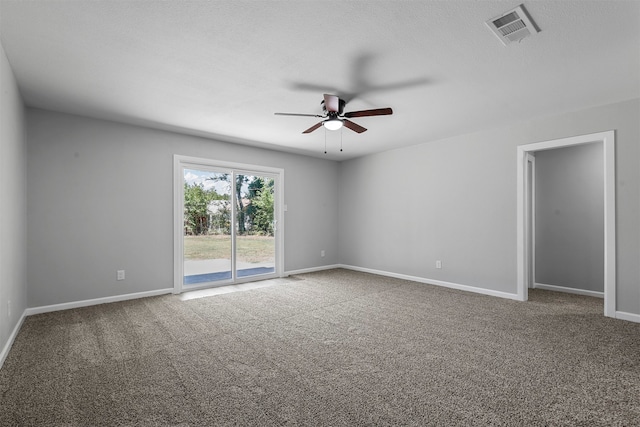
227	223
525	222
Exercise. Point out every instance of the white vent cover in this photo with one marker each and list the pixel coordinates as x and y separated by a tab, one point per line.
512	26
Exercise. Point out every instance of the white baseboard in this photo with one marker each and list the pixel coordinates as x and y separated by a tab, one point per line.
444	284
568	290
628	316
12	338
96	301
311	269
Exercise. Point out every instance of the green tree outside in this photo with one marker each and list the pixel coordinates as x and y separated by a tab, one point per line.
197	217
255	203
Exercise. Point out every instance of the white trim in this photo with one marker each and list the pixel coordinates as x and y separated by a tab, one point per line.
180	162
522	273
12	338
530	209
609	153
567	290
441	283
178	250
607	139
630	317
96	301
311	269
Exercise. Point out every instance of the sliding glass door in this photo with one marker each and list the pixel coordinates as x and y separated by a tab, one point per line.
255	223
207	238
228	224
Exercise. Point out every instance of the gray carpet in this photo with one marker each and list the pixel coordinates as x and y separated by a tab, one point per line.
329	348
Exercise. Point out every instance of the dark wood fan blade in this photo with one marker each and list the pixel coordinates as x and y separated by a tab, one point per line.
298	114
366	113
312	128
331	103
354	127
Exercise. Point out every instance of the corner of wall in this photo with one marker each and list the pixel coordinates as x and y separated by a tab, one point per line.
13	255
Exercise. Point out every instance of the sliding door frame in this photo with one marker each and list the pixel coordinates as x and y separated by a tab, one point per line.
179	163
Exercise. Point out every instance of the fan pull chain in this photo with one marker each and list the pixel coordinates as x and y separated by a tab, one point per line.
325	140
341	139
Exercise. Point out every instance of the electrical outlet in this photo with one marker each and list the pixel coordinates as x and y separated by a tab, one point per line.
120	275
322	253
438	264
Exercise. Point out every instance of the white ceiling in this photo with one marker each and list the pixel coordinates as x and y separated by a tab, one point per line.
222	68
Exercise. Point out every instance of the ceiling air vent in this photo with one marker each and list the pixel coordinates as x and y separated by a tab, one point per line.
512	26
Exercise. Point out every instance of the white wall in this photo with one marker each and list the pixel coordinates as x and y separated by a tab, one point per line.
569	217
100	194
455	200
13	279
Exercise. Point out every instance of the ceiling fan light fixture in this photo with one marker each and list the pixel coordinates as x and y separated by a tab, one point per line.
334	119
333	124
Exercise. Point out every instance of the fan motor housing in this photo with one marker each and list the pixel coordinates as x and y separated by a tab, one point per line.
341	105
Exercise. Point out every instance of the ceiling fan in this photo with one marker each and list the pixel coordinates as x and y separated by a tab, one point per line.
335	117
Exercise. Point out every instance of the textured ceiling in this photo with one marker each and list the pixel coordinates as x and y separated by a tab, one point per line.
222	68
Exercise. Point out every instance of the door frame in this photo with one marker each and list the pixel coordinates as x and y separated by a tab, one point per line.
530	218
180	162
607	139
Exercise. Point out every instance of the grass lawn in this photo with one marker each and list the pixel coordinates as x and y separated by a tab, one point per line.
249	248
